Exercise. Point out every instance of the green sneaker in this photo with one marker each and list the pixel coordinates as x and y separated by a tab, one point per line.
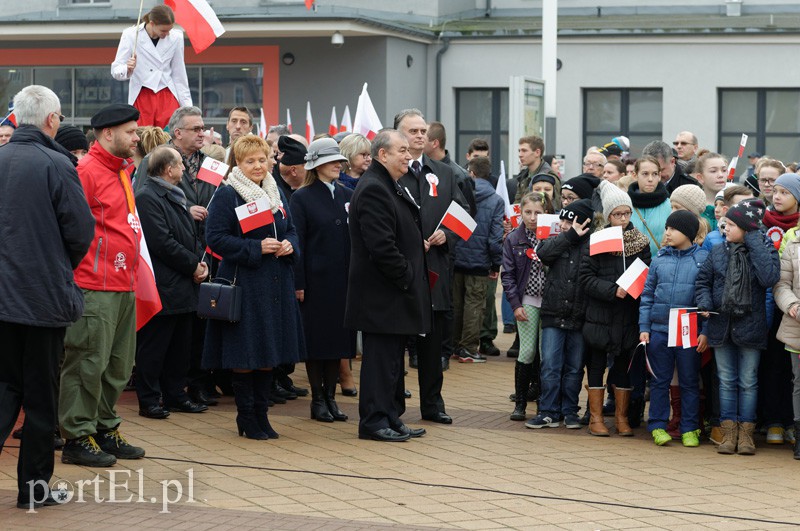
661	437
691	438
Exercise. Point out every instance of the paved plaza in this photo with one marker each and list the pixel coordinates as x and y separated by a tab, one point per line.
482	472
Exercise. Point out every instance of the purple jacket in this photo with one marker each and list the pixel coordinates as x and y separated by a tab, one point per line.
516	266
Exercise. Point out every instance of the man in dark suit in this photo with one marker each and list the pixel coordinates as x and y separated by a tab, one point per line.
388	297
433	186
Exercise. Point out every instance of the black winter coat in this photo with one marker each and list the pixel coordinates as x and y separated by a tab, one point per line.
749	331
564	300
611	323
173	246
388	289
679	179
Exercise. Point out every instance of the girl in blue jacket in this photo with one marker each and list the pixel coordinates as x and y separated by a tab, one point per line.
671	284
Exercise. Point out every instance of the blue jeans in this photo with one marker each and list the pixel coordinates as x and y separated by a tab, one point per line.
562	371
737	368
663	361
508	313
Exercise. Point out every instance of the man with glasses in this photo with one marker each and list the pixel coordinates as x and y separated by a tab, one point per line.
593	163
686	147
671	174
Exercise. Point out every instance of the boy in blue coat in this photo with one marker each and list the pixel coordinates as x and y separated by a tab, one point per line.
671	284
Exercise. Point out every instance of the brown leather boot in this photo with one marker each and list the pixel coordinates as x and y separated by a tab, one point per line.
622	397
730	435
746	444
596	425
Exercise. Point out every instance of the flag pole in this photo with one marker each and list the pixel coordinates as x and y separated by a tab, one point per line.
138	21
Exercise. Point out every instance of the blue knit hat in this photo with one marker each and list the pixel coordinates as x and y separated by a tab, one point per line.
790	181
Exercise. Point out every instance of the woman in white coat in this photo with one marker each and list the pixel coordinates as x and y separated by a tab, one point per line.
157	73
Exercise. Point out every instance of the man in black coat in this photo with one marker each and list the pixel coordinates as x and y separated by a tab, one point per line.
46	228
671	174
388	298
433	187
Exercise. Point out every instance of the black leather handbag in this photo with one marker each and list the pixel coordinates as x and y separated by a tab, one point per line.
220	299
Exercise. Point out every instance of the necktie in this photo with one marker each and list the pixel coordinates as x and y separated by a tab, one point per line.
416	167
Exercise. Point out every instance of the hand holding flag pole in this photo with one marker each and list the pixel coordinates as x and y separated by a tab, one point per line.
136	35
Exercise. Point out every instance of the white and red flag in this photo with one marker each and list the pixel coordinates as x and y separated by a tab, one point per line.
459	221
633	279
682	327
735	160
366	121
346	125
333	128
198	20
289	121
606	241
502	191
148	301
262	125
547	225
212	171
11	117
309	123
255	214
309	3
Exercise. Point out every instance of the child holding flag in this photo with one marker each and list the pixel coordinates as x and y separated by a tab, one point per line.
671	284
733	281
523	283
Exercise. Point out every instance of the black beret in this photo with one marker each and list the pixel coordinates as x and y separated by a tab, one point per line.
294	152
114	114
72	138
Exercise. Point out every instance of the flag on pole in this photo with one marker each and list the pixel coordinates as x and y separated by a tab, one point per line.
309	123
606	241
347	124
366	122
632	280
459	221
547	225
212	253
148	301
255	214
262	125
502	190
735	160
10	118
212	171
198	20
309	3
333	128
682	328
289	121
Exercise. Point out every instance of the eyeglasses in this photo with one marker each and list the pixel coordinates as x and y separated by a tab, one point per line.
621	215
592	164
768	182
195	130
677	143
61	117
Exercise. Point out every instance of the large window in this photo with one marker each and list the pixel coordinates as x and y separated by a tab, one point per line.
480	113
635	113
770	118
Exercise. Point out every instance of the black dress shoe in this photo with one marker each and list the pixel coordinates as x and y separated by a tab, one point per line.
407	394
349	392
385	435
413	361
201	397
153	412
299	391
282	392
187	406
441	418
413	432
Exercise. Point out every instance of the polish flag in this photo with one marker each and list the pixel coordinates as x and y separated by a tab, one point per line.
682	328
547	225
606	241
148	301
198	20
11	118
289	121
735	160
212	253
255	214
347	124
309	3
333	128
459	221
309	123
366	122
212	171
632	280
262	125
502	190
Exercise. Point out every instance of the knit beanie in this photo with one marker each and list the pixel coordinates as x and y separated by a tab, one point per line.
752	183
790	181
612	197
71	138
684	221
691	197
577	211
543	177
583	185
747	214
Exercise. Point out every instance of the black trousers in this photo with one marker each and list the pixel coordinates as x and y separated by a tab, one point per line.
775	380
596	362
381	399
29	361
163	351
429	358
199	379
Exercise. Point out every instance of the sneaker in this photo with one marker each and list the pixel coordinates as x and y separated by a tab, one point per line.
509	328
690	439
84	451
465	356
661	437
716	435
488	348
789	435
572	422
775	435
112	442
543	420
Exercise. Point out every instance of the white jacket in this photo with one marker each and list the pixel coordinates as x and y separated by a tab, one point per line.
157	67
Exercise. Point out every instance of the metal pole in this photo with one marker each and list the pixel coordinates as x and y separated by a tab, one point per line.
549	57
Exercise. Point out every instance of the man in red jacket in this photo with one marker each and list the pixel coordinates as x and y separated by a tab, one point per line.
100	347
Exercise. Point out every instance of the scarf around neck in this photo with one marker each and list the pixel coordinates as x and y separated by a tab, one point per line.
651	200
174	192
736	295
633	241
773	218
250	191
535	285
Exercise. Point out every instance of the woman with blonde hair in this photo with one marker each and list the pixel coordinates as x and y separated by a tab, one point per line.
356	149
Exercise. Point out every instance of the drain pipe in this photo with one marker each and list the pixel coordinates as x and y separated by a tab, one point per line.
439	54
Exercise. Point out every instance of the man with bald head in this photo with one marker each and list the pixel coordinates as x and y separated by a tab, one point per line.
686	146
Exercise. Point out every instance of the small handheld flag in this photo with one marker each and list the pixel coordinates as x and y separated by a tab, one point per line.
547	225
255	214
459	221
633	279
212	171
606	241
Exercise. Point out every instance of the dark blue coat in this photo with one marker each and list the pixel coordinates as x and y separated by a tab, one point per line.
516	266
748	331
271	331
483	252
564	300
321	223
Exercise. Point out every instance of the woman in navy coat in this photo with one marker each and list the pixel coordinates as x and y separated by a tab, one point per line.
270	332
319	210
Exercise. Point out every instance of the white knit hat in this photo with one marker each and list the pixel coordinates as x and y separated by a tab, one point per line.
691	197
612	197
